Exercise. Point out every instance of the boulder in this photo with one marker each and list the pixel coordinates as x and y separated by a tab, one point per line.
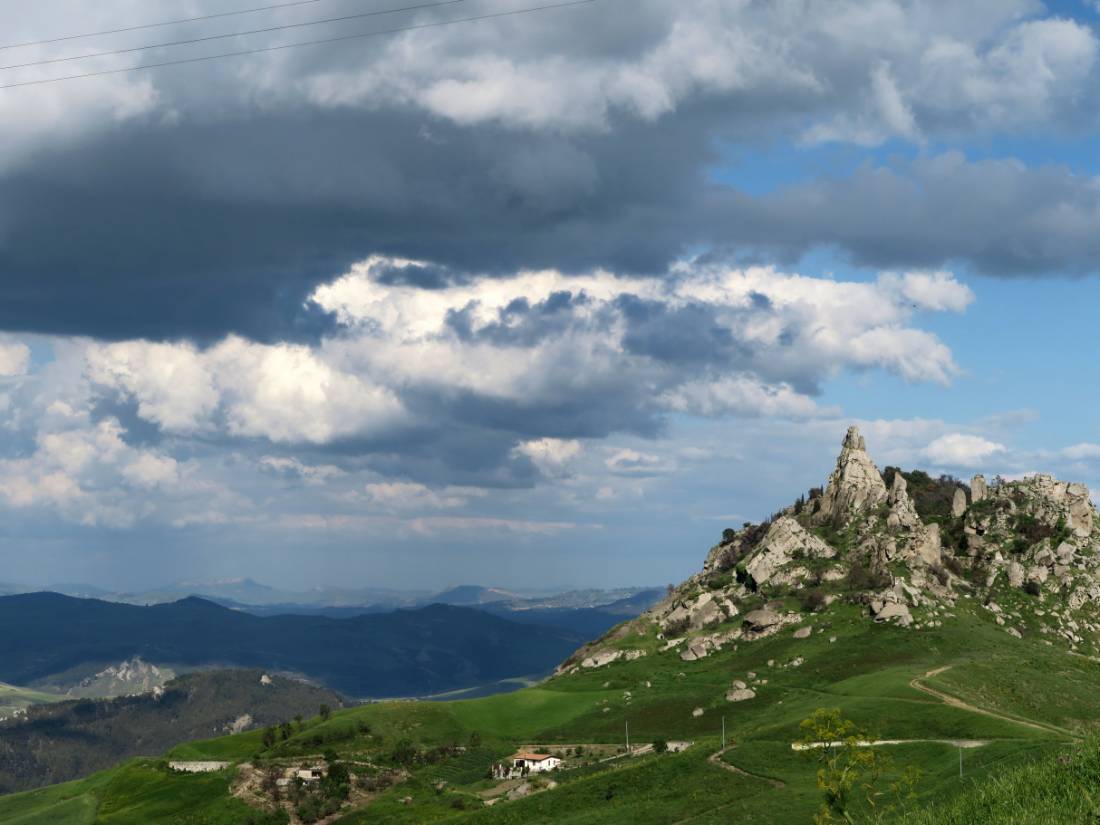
601	658
894	611
1016	574
902	511
978	489
1065	552
784	539
697	713
1080	510
762	619
738	685
926	544
741	695
698	650
803	632
1038	573
958	504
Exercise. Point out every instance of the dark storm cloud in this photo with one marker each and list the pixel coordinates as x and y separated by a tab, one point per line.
128	238
151	236
571	140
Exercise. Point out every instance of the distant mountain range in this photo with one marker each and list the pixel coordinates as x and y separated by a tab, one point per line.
247	593
402	653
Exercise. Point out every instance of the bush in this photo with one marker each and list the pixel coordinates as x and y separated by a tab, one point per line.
727	559
405	753
813	601
660	746
1032	588
1031	530
745	578
677	627
729	534
933	497
861	577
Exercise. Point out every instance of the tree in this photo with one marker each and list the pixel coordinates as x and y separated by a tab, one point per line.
847	763
475	739
298	720
286	730
268	737
325	712
660	746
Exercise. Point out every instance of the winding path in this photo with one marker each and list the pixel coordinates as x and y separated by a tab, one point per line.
716	759
956	702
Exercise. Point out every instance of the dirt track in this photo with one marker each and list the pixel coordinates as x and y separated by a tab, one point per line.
956	702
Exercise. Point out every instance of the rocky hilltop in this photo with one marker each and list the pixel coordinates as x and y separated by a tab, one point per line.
904	547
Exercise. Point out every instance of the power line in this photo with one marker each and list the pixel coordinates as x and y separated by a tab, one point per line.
209	37
143	26
300	44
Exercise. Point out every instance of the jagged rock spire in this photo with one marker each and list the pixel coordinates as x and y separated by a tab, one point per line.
855	485
902	511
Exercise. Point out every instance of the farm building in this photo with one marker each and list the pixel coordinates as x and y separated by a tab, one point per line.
523	763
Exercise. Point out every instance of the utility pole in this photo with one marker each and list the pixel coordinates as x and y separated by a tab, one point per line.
960	763
723	733
628	737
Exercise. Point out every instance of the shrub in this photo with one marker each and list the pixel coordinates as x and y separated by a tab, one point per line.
660	746
745	578
727	559
861	577
1032	530
1032	588
677	627
405	753
813	601
729	534
933	497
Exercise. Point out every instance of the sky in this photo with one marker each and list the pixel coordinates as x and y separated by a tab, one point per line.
529	297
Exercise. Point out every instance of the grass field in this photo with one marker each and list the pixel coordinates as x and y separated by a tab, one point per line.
13	699
1025	700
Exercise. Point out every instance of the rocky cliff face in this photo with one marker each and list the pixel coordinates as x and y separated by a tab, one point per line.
864	541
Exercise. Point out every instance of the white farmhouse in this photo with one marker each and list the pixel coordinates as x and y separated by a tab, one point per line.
525	762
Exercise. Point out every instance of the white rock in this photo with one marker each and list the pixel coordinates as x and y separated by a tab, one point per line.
855	485
958	504
741	695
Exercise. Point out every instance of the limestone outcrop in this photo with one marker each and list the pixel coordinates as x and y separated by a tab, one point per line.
907	551
785	541
855	486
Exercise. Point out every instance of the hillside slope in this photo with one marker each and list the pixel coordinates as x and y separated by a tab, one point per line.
909	616
414	652
68	740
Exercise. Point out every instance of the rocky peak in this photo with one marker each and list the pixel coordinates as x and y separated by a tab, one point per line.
855	485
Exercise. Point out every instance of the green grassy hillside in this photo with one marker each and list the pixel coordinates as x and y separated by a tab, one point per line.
975	670
13	699
1020	698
